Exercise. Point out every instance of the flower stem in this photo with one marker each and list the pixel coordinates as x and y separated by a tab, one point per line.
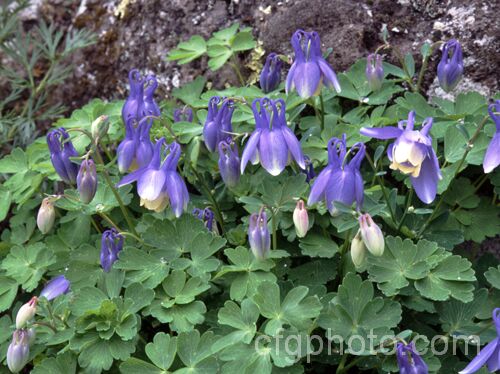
340	368
236	68
322	112
273	224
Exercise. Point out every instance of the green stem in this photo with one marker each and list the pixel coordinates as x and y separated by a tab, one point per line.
407	206
109	220
353	363
275	239
340	368
236	68
212	199
322	112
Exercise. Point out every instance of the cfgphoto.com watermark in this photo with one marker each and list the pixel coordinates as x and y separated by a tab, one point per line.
302	345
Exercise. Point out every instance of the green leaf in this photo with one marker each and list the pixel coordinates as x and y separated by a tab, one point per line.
195	352
315	244
27	264
64	363
14	163
493	276
135	366
8	292
355	311
203	247
243	41
190	93
218	54
247	359
139	296
225	35
162	351
410	65
296	309
462	193
188	51
5	201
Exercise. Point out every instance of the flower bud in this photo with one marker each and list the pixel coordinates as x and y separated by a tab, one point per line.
451	66
19	351
99	127
300	219
183	115
258	235
31	336
374	71
26	313
271	73
358	250
46	215
57	286
372	235
86	181
111	244
229	163
207	216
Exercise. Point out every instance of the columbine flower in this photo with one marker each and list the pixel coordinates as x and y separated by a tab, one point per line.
492	156
451	66
136	149
86	181
218	123
309	169
272	143
258	235
207	216
46	215
150	106
111	244
158	183
229	162
309	70
18	352
133	107
99	127
300	219
340	180
412	154
358	250
409	361
271	73
26	313
56	287
489	355
371	234
183	115
61	149
374	71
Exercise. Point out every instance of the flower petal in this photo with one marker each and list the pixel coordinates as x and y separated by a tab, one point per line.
492	155
293	146
481	358
426	183
273	151
388	132
150	184
330	76
319	186
342	188
250	149
177	192
289	85
307	76
130	178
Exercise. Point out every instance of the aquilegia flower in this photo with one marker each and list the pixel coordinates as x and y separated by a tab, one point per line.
272	142
259	237
451	66
150	106
374	71
61	149
46	215
111	245
309	169
26	313
86	181
218	123
340	180
133	108
158	183
229	162
206	215
136	149
371	234
409	361
18	352
412	154
300	219
309	70
489	355
270	75
183	115
57	286
492	156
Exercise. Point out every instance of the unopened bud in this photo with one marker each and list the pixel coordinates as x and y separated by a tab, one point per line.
26	313
18	352
258	235
358	250
46	215
372	235
300	219
86	181
100	127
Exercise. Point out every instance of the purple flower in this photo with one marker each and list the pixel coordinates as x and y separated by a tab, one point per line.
451	66
309	70
158	183
144	150
374	71
183	115
57	286
136	149
229	162
409	361
340	180
111	244
271	73
86	181
492	156
206	215
18	352
134	105
61	149
218	123
412	154
272	142
150	106
309	169
258	235
489	355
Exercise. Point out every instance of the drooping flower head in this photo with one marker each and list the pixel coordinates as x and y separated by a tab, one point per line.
218	123
259	237
26	313
206	215
451	66
229	162
309	70
86	181
159	183
111	245
489	355
492	155
133	107
300	219
183	115
270	75
136	149
272	142
374	71
151	108
56	286
409	361
341	179
371	234
309	169
46	215
61	149
412	154
18	352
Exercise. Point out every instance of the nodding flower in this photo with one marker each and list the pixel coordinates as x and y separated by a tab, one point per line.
412	154
451	66
151	108
111	245
371	234
134	106
136	149
374	71
259	237
61	149
207	216
86	181
341	179
56	286
218	123
409	361
18	352
272	142
229	162
309	71
183	115
270	75
492	155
